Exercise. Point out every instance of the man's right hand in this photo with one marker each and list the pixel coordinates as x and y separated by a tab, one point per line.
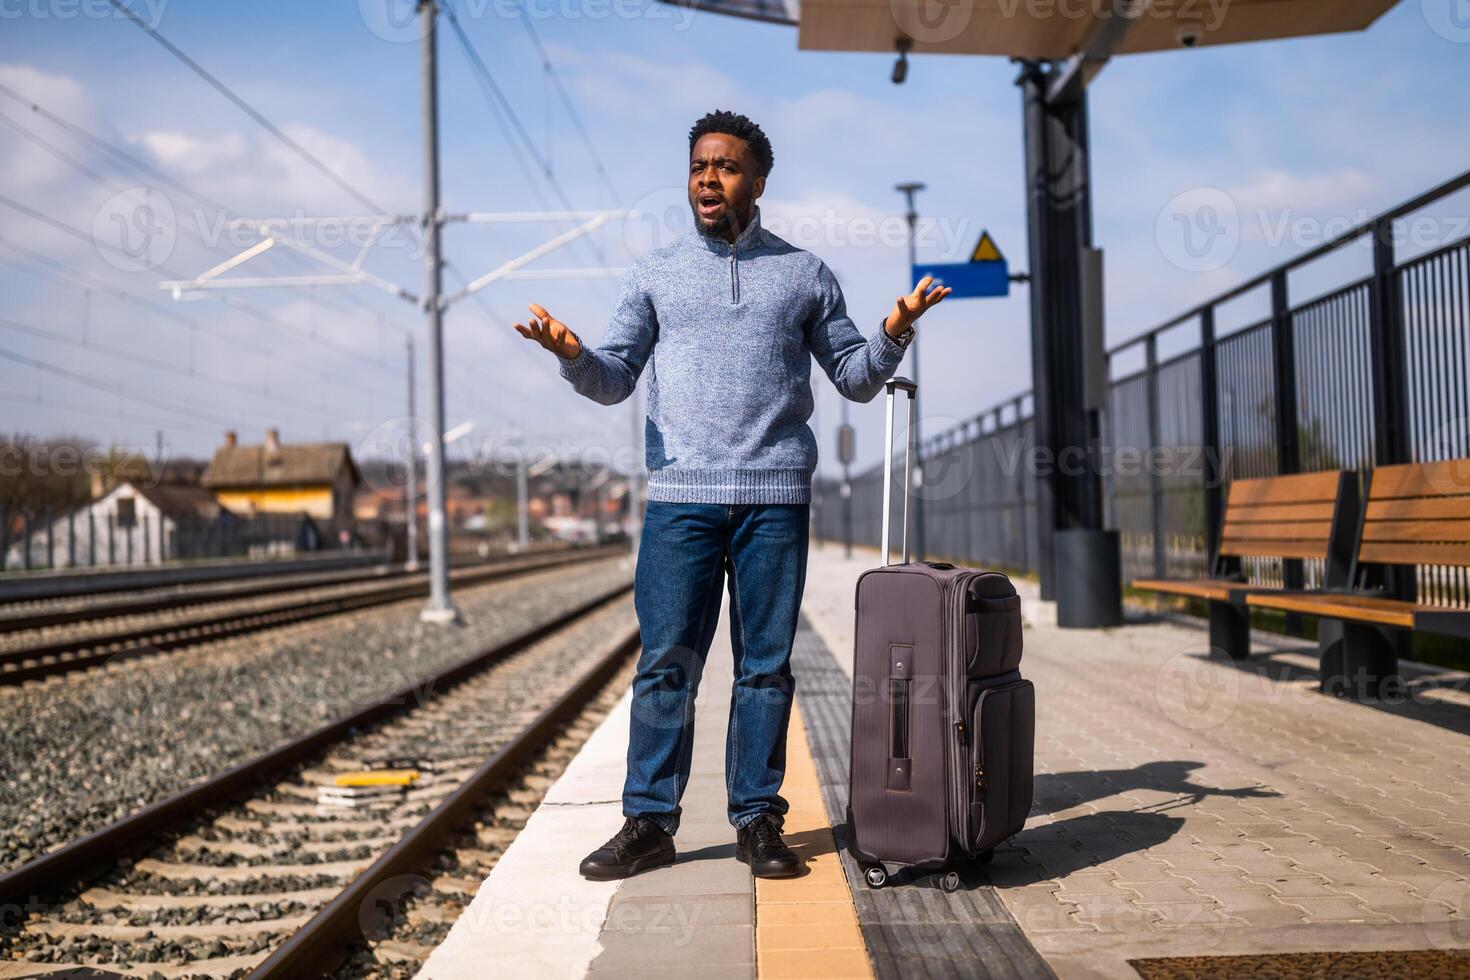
550	333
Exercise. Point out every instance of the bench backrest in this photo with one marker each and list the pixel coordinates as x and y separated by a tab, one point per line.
1283	516
1417	513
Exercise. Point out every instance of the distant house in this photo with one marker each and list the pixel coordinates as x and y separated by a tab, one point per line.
131	523
317	479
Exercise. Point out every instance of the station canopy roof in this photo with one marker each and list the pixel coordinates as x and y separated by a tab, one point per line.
1046	29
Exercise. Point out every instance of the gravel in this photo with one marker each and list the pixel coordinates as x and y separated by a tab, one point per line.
82	750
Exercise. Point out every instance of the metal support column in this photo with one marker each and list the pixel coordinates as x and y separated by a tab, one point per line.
441	608
1066	357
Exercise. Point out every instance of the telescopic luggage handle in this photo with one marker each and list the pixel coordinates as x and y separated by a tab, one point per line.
909	451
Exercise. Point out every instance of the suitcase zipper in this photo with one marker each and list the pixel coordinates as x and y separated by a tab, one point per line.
959	775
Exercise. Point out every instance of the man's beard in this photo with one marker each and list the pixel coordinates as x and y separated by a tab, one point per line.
722	226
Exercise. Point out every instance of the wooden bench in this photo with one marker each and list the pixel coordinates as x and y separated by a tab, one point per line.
1413	514
1304	515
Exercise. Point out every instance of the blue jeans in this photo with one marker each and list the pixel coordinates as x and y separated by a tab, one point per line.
682	563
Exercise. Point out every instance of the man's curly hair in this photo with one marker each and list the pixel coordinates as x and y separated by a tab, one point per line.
740	127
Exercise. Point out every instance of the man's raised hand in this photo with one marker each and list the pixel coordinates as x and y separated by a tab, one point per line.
550	333
907	309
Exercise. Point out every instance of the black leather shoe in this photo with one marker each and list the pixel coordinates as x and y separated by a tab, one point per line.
640	846
759	845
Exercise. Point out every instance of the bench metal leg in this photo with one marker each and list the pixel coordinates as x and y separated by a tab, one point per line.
1230	630
1358	660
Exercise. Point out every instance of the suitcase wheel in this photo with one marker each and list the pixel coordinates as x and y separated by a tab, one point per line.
876	877
950	881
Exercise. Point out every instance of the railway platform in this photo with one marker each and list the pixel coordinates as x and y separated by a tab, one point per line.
1187	809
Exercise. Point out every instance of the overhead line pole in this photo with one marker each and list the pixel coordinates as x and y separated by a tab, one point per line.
411	502
441	608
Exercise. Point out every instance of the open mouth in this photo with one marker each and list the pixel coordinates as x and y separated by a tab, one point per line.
710	204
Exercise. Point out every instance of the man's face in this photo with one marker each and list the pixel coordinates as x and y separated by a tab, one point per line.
723	185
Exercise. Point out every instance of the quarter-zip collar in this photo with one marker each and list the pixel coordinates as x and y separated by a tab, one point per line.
749	236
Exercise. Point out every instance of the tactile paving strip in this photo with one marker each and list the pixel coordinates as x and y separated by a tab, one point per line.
912	930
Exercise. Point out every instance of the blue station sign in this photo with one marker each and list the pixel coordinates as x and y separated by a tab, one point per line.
986	274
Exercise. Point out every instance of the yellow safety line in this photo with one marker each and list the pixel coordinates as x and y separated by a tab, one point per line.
807	927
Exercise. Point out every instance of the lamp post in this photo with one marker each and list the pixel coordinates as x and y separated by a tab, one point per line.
908	190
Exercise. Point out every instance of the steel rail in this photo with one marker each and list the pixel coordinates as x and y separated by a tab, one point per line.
92	853
327	939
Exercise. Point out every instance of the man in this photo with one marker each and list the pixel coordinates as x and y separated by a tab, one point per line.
727	318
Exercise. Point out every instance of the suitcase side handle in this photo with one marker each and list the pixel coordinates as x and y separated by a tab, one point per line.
909	450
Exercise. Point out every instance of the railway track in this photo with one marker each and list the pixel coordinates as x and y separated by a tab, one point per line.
256	877
24	658
29	614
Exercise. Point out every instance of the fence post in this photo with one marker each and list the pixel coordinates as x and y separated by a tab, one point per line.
1155	478
4	537
129	539
1388	349
91	538
1209	376
71	538
25	537
111	552
1023	460
1288	450
1386	332
50	537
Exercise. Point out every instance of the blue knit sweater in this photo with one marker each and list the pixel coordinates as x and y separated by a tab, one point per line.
728	333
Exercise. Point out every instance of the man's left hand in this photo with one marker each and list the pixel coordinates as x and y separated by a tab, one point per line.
907	309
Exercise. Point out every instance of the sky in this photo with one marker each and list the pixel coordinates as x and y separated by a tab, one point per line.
1282	142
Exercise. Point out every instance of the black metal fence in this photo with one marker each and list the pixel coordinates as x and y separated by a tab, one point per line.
1373	372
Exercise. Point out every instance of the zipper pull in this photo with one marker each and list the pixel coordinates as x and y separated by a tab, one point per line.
959	731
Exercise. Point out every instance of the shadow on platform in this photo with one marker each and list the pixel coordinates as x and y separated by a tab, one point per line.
1061	790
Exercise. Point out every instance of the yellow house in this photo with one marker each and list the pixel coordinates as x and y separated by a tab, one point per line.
316	479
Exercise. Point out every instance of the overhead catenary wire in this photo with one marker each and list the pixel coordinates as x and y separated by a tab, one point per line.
490	90
108	413
230	301
122	353
128	159
566	100
248	109
101	384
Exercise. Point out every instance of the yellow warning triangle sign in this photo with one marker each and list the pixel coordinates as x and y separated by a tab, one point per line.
986	250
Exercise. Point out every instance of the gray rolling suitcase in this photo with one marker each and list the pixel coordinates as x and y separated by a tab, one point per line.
943	725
